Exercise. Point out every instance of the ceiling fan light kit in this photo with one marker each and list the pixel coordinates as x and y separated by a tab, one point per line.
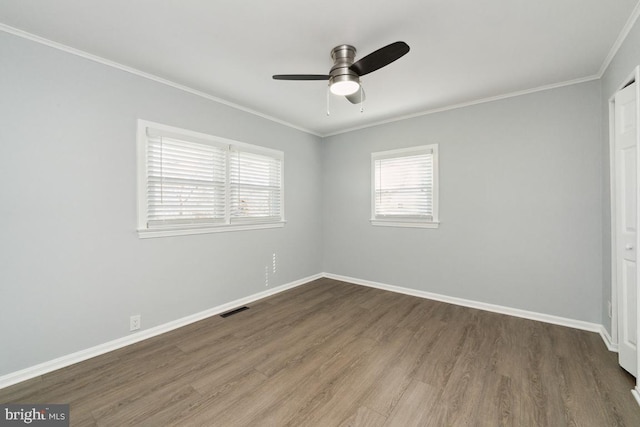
344	85
344	76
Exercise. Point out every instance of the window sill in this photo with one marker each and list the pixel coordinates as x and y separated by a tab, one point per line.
147	233
409	224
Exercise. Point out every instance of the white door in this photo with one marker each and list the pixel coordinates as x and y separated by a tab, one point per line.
626	225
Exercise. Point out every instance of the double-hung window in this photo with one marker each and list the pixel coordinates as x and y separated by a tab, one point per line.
404	187
190	183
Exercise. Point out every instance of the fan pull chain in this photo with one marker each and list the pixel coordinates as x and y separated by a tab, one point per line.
361	101
328	103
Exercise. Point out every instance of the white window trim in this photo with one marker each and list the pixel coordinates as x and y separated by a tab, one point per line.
406	222
181	230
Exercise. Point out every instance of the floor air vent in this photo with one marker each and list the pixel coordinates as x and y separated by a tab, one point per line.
234	311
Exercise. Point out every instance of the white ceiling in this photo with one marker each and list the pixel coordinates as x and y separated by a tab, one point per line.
461	50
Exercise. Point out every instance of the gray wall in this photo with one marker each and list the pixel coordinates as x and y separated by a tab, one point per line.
522	199
520	204
72	269
622	65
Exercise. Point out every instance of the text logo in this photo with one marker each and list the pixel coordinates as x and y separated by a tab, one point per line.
41	415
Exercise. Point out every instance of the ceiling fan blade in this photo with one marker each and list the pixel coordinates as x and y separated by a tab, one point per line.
380	58
301	77
357	97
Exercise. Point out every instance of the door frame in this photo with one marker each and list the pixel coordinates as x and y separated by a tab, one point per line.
633	77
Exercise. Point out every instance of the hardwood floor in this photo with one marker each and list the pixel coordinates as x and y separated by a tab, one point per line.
334	354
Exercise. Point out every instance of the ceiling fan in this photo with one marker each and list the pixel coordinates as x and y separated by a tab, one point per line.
344	76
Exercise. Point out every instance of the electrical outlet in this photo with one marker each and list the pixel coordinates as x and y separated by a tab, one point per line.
610	310
134	322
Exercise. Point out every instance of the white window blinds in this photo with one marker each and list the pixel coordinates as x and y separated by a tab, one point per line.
255	186
404	185
185	182
190	183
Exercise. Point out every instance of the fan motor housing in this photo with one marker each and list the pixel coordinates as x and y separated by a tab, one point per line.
343	57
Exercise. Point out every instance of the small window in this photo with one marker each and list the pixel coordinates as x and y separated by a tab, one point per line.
191	183
405	187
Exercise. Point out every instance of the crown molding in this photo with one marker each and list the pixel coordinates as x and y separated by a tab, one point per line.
631	21
469	104
95	58
621	38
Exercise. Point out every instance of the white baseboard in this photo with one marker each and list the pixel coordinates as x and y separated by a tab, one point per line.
636	393
70	359
608	341
531	315
64	361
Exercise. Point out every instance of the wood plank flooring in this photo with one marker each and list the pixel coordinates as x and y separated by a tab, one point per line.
335	354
